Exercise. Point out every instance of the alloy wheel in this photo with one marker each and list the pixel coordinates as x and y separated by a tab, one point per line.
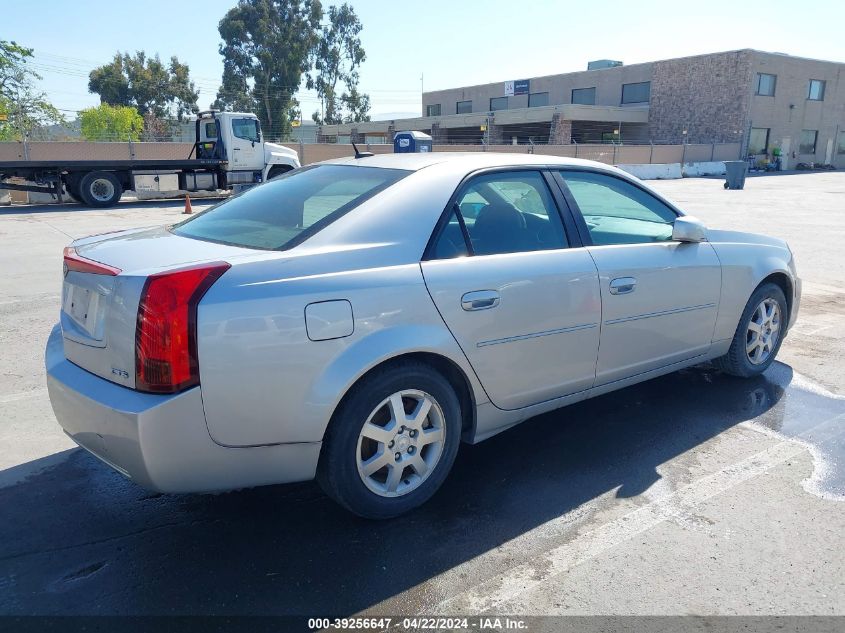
401	443
763	331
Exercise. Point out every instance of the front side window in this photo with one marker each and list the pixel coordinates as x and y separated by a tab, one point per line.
618	212
463	107
808	141
584	96
432	110
636	93
502	212
840	148
247	129
758	140
766	84
538	99
498	103
815	91
285	211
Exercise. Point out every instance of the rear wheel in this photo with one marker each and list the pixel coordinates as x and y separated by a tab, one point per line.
392	442
759	335
72	188
100	189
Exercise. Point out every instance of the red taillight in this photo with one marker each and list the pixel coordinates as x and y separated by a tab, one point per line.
166	337
76	262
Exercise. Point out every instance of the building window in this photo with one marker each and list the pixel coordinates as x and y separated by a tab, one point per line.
766	84
758	140
432	110
463	107
538	99
636	93
815	92
808	141
498	103
584	96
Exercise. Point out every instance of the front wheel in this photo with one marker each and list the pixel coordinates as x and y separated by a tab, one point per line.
759	335
392	442
278	170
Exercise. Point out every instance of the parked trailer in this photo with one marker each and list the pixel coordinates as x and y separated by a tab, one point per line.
229	153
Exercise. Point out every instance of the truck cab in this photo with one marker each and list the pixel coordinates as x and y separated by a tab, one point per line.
236	137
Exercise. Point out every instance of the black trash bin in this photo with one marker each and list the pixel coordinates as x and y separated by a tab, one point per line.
409	142
735	171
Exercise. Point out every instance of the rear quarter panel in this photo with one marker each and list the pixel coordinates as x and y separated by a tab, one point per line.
265	382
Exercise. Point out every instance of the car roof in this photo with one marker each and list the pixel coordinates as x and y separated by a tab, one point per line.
469	161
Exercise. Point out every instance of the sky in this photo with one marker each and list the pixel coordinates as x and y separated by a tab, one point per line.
434	44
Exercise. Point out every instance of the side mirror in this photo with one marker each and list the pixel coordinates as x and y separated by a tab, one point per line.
688	229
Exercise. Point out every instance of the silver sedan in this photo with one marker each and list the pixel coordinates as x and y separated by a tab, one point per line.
356	320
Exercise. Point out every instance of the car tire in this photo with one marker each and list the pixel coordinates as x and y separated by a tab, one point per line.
100	189
739	361
348	451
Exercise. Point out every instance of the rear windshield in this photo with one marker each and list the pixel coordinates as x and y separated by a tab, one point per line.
289	209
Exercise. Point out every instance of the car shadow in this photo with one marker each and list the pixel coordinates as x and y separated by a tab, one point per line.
77	538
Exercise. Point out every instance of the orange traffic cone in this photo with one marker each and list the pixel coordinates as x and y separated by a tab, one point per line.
188	209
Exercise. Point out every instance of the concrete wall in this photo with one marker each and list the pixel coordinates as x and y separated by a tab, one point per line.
610	154
315	152
607	82
668	171
789	111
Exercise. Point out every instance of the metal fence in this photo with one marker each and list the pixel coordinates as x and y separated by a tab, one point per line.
614	154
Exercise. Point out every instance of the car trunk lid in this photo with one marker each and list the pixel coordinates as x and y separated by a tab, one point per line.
102	287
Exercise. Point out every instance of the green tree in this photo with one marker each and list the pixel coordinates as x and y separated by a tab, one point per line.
147	84
337	58
24	110
111	123
267	46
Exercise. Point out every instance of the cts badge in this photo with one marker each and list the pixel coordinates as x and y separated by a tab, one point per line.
122	373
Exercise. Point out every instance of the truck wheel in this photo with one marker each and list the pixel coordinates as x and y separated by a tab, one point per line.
72	187
278	170
100	189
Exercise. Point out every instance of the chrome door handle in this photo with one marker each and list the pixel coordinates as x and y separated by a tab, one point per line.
622	285
480	300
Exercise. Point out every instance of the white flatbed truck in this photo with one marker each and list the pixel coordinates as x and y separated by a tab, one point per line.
229	153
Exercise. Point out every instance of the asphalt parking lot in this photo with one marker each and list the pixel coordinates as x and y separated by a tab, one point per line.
694	493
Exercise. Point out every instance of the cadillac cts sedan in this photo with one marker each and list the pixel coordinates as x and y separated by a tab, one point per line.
356	320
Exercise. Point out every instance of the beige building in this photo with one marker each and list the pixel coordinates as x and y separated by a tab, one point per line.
761	100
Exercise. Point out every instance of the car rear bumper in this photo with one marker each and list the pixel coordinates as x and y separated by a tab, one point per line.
161	441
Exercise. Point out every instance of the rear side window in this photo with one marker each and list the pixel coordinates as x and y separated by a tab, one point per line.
502	212
287	210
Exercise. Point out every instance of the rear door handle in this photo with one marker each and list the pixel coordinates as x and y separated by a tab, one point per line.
622	285
480	300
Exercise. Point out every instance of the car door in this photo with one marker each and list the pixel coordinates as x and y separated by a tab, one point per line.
659	297
518	293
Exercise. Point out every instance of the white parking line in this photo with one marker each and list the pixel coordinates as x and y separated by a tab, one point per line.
490	595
